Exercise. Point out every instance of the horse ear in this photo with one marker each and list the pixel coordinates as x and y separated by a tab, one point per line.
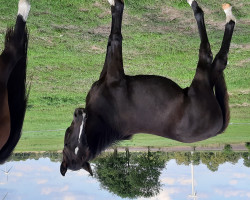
87	167
63	168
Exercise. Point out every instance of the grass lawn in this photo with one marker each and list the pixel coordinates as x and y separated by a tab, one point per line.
67	49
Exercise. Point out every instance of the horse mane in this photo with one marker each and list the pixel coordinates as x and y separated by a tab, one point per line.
17	95
103	137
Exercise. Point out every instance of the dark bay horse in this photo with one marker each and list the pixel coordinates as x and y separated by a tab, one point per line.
13	96
119	106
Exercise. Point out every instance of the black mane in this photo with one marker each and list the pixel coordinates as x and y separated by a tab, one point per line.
103	137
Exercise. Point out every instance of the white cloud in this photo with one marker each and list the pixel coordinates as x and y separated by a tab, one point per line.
81	172
26	168
75	197
179	181
46	168
165	194
41	181
233	193
233	182
169	181
47	191
69	198
17	174
184	181
239	175
202	196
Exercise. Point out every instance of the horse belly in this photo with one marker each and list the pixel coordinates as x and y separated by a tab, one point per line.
157	115
200	121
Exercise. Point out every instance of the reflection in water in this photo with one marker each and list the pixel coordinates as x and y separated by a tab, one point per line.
193	195
6	172
126	175
130	175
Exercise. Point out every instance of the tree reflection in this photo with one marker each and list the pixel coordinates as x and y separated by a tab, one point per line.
131	175
142	162
246	157
211	159
53	156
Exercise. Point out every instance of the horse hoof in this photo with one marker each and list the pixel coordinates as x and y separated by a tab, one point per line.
190	2
228	11
23	9
112	2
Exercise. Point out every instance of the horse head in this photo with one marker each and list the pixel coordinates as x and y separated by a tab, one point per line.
76	153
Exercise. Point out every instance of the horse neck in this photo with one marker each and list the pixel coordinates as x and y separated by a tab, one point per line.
101	137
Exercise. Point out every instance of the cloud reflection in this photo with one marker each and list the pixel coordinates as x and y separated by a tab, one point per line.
239	175
49	190
233	182
233	193
41	181
165	194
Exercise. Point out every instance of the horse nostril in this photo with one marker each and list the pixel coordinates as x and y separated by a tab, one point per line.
79	111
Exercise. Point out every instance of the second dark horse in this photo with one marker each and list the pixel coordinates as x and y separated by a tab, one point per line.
119	106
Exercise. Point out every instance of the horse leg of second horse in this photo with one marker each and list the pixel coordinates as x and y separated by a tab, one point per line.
16	41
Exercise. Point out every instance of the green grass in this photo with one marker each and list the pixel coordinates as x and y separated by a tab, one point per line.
67	50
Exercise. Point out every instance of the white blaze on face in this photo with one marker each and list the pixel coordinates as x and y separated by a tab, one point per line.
76	150
23	9
80	132
81	127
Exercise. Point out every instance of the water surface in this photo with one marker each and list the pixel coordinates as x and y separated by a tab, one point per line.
148	175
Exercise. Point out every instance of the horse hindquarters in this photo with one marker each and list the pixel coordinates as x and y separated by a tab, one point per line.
202	118
14	57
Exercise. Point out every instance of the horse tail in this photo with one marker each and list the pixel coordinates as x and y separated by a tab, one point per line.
222	98
17	93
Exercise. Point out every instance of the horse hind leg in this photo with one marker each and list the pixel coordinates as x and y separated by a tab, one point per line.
16	40
23	9
205	53
203	71
113	65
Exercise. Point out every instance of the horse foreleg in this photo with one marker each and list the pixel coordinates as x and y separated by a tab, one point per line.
219	64
220	60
